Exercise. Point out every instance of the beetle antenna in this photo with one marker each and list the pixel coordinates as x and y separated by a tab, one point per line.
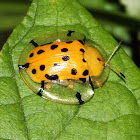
117	71
106	63
116	48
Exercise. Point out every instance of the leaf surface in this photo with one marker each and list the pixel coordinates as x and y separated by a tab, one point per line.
113	113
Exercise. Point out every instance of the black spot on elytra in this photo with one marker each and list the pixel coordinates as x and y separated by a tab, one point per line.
40	51
66	58
26	65
42	67
34	71
54	47
64	50
82	50
84	60
83	79
69	42
55	64
74	71
81	42
52	77
98	59
23	66
47	76
31	55
85	72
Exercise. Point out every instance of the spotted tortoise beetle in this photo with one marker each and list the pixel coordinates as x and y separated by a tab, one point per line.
64	60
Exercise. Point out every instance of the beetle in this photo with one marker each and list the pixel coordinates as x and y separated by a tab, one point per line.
64	60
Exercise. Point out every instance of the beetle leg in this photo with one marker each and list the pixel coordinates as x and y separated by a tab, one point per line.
65	82
68	83
78	96
41	89
99	84
48	86
71	84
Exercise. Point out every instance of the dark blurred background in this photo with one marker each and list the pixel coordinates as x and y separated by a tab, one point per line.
119	17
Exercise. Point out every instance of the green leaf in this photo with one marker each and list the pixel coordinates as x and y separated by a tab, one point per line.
113	113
